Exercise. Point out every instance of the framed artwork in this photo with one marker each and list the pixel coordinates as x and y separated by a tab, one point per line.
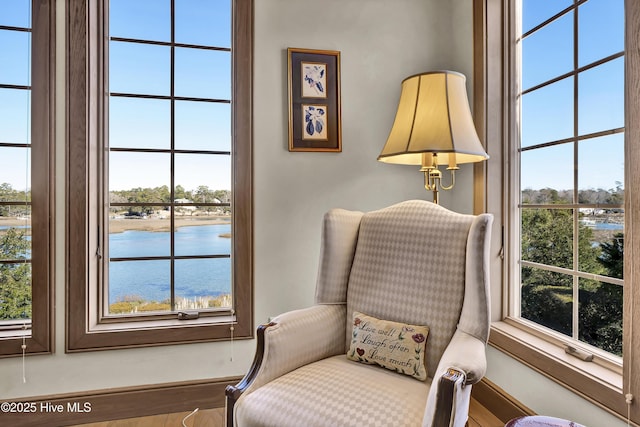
314	100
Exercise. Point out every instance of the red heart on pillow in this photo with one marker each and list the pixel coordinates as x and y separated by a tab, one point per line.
360	351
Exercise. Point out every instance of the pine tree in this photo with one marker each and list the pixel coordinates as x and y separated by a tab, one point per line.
15	278
547	297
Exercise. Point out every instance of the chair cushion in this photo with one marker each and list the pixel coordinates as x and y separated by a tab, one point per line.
335	392
392	345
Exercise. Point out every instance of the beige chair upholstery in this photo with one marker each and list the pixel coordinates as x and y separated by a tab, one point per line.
414	262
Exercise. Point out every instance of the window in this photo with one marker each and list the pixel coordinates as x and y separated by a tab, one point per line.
26	184
169	140
164	187
569	190
560	127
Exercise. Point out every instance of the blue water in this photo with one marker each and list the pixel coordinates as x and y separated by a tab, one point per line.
6	227
151	279
608	226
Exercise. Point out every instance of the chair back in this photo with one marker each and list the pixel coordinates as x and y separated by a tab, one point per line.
409	265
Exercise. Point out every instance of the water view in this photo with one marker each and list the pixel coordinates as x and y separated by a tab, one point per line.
197	281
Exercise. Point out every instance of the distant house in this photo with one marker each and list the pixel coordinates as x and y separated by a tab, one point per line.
183	201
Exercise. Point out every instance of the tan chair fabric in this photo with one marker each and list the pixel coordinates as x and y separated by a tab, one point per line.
337	392
339	238
414	262
298	338
409	267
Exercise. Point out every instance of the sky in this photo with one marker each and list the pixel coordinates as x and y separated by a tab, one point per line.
140	69
547	114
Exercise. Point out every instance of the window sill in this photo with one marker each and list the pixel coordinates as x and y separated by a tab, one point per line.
15	334
115	325
15	329
599	382
92	336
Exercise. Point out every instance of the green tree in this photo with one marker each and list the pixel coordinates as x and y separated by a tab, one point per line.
179	192
547	297
547	236
8	194
163	193
15	278
601	305
612	257
223	195
600	319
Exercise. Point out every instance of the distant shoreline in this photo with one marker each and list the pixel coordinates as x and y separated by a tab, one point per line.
150	224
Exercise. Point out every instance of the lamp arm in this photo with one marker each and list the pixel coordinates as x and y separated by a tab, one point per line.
453	179
431	179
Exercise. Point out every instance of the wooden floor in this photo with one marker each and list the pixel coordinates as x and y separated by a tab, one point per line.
479	416
202	418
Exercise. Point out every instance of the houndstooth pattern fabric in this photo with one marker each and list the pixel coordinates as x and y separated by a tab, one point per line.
406	263
335	392
300	337
409	266
339	237
476	317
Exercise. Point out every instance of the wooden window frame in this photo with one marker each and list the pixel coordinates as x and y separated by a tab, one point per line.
601	384
39	335
85	130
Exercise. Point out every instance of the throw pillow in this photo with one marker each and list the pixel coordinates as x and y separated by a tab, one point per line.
396	346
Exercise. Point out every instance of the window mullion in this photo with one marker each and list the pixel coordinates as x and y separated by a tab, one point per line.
576	230
172	182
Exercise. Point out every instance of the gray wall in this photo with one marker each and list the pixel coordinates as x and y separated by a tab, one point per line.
381	42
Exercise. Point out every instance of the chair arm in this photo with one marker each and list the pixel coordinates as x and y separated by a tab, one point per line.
291	340
467	354
463	363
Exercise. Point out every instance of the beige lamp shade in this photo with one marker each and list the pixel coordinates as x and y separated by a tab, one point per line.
433	117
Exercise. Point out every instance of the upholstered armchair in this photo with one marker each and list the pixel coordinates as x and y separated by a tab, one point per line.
414	263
